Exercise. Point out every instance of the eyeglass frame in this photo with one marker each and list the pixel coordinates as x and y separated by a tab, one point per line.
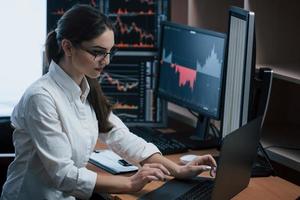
111	53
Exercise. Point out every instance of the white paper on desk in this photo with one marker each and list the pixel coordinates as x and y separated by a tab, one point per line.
108	160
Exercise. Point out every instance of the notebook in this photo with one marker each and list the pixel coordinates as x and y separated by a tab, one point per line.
111	162
237	155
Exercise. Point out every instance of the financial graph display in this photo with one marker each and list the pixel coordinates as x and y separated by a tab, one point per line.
129	83
137	32
137	22
191	68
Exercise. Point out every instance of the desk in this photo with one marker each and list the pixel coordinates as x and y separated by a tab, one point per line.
265	188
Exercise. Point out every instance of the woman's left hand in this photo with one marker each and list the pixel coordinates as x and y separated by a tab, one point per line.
196	166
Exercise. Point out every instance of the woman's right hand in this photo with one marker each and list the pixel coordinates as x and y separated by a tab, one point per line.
146	174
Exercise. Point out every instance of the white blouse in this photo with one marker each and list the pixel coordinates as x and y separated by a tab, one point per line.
55	133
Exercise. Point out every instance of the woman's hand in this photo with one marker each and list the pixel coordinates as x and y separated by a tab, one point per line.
196	166
146	174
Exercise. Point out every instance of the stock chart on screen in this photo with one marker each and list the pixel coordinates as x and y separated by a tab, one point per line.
137	22
129	82
192	66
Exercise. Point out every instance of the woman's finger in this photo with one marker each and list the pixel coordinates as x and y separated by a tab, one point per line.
213	172
154	172
205	160
211	160
152	178
159	166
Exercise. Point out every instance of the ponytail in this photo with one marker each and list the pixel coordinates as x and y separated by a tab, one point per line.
101	105
53	51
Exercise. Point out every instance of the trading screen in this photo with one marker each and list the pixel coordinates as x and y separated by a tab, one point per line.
137	22
191	68
129	82
130	79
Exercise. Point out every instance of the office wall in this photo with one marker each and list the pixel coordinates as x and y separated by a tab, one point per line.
206	14
277	30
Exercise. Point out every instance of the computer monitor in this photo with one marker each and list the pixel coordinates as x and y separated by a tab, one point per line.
191	73
136	22
240	68
129	83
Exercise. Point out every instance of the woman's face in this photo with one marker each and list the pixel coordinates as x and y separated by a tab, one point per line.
92	56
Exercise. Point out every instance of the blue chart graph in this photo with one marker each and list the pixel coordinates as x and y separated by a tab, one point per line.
212	65
191	68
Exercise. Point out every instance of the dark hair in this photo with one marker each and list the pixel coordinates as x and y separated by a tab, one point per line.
78	24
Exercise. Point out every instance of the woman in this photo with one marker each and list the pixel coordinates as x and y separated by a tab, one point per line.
60	116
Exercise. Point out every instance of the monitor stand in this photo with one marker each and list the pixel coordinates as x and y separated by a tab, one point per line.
200	139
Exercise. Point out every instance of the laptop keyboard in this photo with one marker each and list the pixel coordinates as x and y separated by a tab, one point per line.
191	189
203	190
166	144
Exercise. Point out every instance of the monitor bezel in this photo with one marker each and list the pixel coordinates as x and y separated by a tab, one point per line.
178	101
243	15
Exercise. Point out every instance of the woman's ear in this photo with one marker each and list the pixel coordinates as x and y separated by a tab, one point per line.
67	47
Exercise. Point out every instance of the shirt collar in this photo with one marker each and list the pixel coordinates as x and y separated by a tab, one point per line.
70	87
85	88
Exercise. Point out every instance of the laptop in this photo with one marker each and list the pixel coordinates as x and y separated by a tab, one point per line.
237	155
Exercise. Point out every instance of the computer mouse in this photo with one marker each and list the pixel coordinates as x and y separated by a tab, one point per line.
187	158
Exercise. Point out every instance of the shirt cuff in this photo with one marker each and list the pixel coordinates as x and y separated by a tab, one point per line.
149	150
85	184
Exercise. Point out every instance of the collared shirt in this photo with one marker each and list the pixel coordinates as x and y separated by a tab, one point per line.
55	133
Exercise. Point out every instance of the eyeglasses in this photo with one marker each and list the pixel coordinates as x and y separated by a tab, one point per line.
99	55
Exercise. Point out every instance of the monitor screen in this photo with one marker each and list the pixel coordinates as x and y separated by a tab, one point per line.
191	68
129	82
137	22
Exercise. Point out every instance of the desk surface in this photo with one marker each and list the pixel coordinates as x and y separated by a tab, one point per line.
274	188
